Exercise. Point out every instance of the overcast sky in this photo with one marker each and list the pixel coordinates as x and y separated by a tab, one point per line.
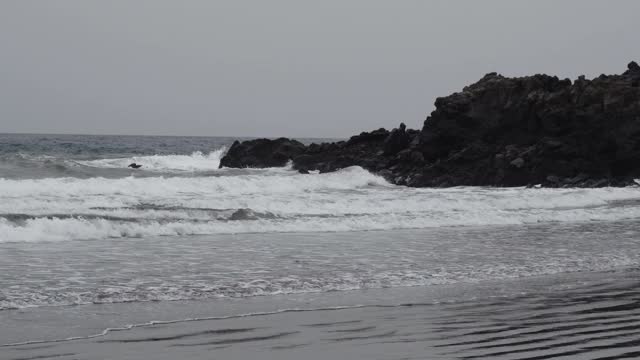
328	68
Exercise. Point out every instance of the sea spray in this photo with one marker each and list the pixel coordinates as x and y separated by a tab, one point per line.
197	161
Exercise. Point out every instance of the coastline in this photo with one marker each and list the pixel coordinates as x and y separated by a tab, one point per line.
499	131
449	321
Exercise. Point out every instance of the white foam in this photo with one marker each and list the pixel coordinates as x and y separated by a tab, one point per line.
56	229
353	199
171	188
197	161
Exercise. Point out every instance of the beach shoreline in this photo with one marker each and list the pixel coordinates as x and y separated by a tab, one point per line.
314	326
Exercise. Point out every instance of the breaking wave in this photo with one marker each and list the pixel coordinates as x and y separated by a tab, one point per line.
278	200
197	161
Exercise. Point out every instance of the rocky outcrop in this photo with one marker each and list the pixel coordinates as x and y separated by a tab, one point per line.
500	132
362	150
262	153
537	129
397	140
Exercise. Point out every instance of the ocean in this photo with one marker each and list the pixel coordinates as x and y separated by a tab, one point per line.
182	260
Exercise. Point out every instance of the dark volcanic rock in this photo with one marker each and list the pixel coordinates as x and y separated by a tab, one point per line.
499	131
397	141
536	129
633	68
362	150
262	153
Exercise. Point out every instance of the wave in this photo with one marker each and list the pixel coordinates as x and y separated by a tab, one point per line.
43	229
277	200
197	161
169	188
20	165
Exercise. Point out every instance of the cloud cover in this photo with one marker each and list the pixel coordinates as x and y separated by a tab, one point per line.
292	68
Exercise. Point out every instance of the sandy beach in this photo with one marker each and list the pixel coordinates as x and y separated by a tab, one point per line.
579	316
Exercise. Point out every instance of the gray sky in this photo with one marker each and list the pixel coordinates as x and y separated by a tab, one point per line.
329	68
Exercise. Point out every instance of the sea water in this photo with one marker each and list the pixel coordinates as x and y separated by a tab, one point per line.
79	229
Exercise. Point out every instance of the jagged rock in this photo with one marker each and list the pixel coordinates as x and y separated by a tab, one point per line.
243	214
261	153
553	179
519	162
368	137
397	140
365	150
590	127
416	157
633	67
499	131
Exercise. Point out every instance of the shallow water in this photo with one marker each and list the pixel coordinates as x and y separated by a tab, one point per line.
575	316
244	265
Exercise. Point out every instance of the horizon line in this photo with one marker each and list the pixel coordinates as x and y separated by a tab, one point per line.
151	135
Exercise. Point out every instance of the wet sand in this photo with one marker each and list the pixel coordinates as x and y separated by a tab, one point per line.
574	316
